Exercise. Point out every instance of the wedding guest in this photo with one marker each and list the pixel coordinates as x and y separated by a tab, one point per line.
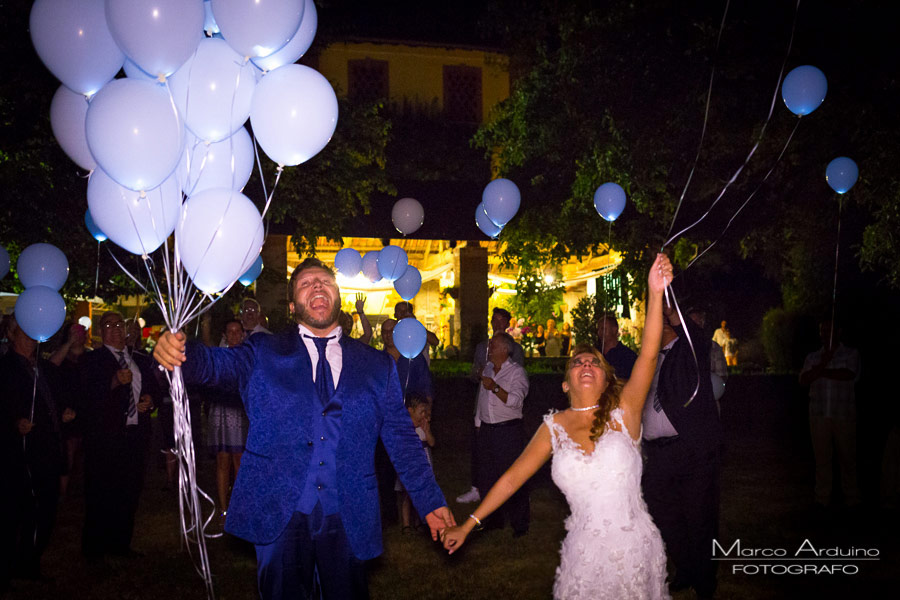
831	372
227	429
252	317
620	356
118	397
540	342
552	343
500	320
31	457
419	408
565	339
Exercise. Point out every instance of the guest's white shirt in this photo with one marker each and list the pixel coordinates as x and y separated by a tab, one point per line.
657	424
135	379
514	380
333	351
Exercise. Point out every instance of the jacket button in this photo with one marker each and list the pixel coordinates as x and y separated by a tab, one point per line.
322	438
319	487
321	462
309	443
323	413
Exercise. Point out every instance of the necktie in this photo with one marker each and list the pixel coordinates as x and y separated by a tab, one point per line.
324	380
657	405
123	364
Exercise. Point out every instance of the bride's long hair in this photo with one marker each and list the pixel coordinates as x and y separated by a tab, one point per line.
609	399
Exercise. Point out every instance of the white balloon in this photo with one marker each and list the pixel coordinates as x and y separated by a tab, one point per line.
67	112
227	164
257	27
138	223
299	44
407	215
132	71
219	236
213	90
294	114
135	133
159	35
73	40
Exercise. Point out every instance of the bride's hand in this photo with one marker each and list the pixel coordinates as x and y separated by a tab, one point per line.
453	538
660	274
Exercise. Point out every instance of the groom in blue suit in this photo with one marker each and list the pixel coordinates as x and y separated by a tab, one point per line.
306	493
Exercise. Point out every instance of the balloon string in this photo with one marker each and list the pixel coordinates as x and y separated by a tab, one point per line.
705	120
97	271
687	334
608	250
755	145
747	201
837	250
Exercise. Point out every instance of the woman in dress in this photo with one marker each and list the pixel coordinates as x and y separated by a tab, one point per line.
613	549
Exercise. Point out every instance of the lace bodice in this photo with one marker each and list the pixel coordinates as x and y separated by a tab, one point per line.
613	549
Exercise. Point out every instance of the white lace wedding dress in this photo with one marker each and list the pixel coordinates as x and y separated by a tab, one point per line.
613	549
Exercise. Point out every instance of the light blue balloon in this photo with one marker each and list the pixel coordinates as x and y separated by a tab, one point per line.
410	337
67	112
369	266
135	133
293	114
139	223
408	284
42	264
804	89
157	40
348	262
209	21
609	200
73	40
213	90
257	28
298	45
392	262
219	236
488	227
4	262
252	273
501	199
228	163
841	174
96	232
132	71
40	312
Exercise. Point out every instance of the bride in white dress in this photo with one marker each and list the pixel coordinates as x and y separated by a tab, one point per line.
613	549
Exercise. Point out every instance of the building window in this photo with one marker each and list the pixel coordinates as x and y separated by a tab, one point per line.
462	94
367	80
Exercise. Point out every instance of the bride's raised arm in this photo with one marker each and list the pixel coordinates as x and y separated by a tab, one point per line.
635	391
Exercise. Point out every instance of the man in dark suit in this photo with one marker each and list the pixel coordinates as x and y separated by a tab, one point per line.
118	392
31	458
318	401
682	438
617	354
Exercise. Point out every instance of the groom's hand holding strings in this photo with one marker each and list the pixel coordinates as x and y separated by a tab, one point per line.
169	350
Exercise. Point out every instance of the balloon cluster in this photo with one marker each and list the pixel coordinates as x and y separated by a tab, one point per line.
500	202
40	310
390	263
173	128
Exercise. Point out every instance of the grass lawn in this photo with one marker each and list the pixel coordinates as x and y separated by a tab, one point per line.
766	491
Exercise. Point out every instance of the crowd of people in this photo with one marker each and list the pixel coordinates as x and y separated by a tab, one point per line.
309	426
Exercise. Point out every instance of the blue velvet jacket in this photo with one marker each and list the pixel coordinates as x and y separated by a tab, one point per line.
273	374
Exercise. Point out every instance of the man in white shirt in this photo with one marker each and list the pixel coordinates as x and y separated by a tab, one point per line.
500	438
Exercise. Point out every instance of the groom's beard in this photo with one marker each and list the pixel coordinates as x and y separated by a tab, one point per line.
301	315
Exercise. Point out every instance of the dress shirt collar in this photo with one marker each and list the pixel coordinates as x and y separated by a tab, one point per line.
336	332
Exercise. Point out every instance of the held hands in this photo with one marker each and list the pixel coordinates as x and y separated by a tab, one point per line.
169	350
660	274
454	538
439	520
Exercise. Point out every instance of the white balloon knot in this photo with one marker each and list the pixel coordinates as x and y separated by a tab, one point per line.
280	168
161	78
143	194
145	257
